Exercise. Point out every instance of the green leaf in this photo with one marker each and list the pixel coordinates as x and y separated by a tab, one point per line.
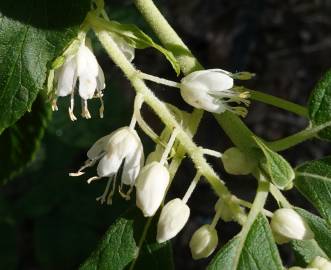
319	105
119	247
20	142
305	251
259	250
276	167
320	246
138	39
32	34
313	180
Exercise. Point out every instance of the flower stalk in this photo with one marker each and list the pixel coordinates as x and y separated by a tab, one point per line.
161	110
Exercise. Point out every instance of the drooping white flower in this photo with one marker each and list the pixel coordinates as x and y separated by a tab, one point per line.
173	218
287	223
151	186
203	242
84	67
320	263
213	90
121	146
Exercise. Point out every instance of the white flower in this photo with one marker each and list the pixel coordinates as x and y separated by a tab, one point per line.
173	218
287	223
82	66
320	263
121	146
213	90
203	242
151	186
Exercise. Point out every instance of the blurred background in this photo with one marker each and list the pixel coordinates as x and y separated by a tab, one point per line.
51	221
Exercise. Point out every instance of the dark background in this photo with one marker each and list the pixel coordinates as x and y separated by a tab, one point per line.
51	221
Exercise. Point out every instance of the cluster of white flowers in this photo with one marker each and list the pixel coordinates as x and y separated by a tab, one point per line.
211	90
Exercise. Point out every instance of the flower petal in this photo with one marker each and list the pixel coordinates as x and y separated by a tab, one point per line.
87	85
66	77
86	62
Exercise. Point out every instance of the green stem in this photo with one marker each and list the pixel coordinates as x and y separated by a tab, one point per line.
279	197
232	125
168	36
257	207
162	111
279	103
297	138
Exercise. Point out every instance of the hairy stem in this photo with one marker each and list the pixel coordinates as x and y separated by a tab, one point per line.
162	111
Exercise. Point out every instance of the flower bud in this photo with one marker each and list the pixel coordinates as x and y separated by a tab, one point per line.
203	242
320	263
287	223
173	218
151	185
236	162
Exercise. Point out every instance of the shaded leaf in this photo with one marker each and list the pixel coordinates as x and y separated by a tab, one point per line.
319	105
259	250
313	180
31	36
20	142
119	247
276	167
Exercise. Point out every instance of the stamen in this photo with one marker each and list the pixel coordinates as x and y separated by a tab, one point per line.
103	197
71	108
88	163
93	179
110	196
85	112
126	195
54	105
102	106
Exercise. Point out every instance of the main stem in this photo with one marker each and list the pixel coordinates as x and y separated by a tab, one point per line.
231	124
162	111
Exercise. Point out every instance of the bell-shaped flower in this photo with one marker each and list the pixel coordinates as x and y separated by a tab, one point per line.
286	223
213	90
203	242
320	263
121	146
173	218
151	186
84	67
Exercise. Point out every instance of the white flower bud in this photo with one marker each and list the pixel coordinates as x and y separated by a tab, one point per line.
320	263
173	218
212	90
287	223
236	162
151	185
203	242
